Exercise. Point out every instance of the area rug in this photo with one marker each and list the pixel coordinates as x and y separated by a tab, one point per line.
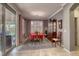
37	45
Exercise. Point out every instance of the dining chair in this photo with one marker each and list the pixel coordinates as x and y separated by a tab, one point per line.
58	39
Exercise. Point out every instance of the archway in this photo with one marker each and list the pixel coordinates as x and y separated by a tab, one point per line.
74	25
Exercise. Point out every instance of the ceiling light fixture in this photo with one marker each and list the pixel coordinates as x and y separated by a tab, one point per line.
37	13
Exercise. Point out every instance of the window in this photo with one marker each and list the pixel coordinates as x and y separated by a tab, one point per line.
36	26
50	27
10	29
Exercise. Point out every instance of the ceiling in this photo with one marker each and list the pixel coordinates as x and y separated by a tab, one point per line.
37	11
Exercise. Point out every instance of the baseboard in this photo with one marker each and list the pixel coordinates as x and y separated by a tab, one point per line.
66	50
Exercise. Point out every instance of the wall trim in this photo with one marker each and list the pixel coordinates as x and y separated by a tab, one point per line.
67	50
55	13
58	10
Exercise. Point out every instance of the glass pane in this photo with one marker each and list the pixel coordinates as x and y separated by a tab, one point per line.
36	26
10	29
50	27
0	26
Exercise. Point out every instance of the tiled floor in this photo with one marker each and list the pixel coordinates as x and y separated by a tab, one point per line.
44	48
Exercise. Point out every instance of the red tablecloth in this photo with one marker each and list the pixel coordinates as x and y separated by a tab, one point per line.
33	36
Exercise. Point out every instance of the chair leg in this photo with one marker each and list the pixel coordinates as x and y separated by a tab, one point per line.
60	43
55	43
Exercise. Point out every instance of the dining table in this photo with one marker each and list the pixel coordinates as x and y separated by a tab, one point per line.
34	36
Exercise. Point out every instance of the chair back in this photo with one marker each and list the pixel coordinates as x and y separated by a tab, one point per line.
60	35
54	34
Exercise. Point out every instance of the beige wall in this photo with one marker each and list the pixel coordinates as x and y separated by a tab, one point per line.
68	26
66	33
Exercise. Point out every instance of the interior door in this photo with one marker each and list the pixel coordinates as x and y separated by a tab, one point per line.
75	20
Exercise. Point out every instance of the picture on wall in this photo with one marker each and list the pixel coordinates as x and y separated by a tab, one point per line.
60	24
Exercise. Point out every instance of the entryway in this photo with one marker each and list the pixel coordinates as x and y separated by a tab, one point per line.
74	16
76	20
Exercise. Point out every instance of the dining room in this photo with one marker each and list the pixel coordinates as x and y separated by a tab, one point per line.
36	31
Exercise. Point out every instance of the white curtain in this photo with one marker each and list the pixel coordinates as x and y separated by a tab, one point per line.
36	26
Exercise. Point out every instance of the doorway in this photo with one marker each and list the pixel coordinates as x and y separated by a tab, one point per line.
76	20
74	26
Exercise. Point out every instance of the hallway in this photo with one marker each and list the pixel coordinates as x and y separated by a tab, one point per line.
36	22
